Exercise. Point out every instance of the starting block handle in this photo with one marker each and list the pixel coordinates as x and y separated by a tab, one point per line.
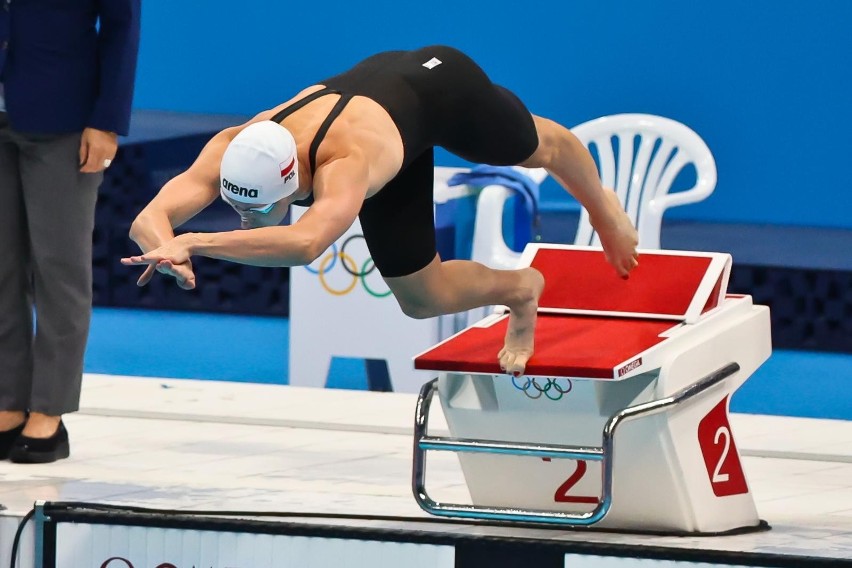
604	454
510	448
649	409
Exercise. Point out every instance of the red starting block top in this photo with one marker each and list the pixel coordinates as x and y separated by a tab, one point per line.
591	322
565	346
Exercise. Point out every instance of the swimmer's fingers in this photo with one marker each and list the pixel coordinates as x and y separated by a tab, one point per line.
146	276
182	273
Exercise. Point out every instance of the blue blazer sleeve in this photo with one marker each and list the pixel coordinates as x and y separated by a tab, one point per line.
118	47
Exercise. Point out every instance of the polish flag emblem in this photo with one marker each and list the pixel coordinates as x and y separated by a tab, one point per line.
286	170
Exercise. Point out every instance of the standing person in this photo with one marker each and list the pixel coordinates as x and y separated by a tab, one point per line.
360	144
67	71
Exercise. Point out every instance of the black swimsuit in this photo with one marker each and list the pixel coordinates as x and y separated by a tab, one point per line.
436	96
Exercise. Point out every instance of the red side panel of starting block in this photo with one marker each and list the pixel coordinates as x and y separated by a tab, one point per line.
565	346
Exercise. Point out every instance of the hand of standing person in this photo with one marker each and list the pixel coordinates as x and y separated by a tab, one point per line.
97	150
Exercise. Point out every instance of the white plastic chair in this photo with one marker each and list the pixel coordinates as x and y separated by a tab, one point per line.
489	247
642	173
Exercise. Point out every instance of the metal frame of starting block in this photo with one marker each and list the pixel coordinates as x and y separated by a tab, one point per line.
654	359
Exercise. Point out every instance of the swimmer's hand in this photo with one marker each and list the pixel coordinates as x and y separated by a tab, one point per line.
172	259
182	273
618	237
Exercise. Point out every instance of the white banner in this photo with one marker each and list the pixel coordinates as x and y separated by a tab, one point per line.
584	561
116	546
341	307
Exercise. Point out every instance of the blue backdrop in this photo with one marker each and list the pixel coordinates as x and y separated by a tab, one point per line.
766	83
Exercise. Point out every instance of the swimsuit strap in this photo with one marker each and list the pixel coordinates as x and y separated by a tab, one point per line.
326	124
323	129
287	111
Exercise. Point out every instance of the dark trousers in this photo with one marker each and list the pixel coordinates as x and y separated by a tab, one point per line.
47	214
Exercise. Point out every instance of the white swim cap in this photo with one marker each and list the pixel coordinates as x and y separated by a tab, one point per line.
260	165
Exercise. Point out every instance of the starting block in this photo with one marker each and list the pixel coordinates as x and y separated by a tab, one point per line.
621	420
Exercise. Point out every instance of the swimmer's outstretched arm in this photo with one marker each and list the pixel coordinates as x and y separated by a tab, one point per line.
340	187
180	199
184	196
187	194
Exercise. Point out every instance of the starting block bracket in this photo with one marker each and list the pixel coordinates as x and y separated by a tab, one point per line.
605	454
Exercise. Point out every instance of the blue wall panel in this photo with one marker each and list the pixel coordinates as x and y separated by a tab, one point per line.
766	83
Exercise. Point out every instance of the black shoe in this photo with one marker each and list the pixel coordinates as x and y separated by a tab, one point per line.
7	439
41	450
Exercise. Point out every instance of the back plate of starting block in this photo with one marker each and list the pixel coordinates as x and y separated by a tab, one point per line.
675	285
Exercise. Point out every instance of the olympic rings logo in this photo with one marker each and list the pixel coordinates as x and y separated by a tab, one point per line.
342	282
552	389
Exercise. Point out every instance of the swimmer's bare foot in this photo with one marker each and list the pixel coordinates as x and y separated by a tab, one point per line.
520	335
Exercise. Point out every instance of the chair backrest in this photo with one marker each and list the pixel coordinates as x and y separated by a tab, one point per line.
443	192
489	247
639	156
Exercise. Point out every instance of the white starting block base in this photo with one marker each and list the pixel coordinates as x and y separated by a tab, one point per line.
678	470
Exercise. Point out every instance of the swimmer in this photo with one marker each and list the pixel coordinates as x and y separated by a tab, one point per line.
360	145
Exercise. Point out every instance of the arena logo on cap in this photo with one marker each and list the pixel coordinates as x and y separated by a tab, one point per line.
251	193
287	172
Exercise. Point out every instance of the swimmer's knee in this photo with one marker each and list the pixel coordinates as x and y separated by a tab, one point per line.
542	157
418	309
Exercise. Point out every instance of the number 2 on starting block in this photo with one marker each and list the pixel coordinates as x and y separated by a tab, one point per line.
720	453
561	495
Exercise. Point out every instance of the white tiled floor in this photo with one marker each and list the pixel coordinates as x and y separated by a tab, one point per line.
187	445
